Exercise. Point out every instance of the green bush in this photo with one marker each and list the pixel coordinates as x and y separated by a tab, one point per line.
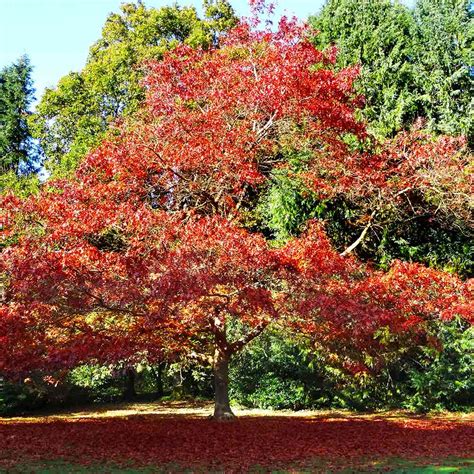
443	379
100	383
280	372
16	397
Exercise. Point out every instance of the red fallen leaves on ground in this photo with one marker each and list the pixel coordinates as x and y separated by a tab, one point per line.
266	441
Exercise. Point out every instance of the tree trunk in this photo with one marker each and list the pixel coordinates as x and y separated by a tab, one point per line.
130	393
158	373
222	410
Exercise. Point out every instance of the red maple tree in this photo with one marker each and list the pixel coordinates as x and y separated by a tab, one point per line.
148	252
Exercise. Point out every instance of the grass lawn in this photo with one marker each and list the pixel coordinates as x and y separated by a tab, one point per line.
178	437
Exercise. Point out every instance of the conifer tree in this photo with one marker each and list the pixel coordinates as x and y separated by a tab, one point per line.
17	151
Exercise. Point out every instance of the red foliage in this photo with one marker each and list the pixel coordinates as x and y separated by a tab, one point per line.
277	442
145	253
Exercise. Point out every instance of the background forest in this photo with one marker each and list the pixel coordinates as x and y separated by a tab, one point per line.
416	74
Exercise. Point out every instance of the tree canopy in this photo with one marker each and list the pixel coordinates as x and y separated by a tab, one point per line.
446	56
414	63
73	117
380	36
391	45
150	250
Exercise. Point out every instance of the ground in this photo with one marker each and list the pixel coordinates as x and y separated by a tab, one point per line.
179	437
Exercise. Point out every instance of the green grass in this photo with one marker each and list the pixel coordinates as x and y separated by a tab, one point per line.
394	465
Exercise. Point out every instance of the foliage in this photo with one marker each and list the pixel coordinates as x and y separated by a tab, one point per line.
97	382
380	35
18	153
427	218
83	384
434	374
443	377
280	372
446	53
21	185
73	117
413	63
17	396
38	391
146	254
406	72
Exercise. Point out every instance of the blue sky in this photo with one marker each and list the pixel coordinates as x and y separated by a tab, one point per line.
56	34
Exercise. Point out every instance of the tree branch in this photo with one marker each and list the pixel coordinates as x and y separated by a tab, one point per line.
360	238
240	343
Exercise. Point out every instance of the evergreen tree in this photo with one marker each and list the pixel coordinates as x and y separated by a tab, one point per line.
17	150
379	35
446	55
413	63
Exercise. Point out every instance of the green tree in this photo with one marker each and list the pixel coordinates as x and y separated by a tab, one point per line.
380	36
17	150
74	116
445	55
410	68
414	230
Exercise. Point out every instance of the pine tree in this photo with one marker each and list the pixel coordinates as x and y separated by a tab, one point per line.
17	150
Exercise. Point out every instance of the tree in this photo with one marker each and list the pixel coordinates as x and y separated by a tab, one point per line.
73	117
17	151
426	217
380	36
446	53
396	52
413	63
150	252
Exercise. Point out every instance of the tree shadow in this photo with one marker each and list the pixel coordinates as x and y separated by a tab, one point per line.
336	442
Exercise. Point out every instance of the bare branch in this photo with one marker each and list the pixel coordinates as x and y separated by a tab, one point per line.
360	238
